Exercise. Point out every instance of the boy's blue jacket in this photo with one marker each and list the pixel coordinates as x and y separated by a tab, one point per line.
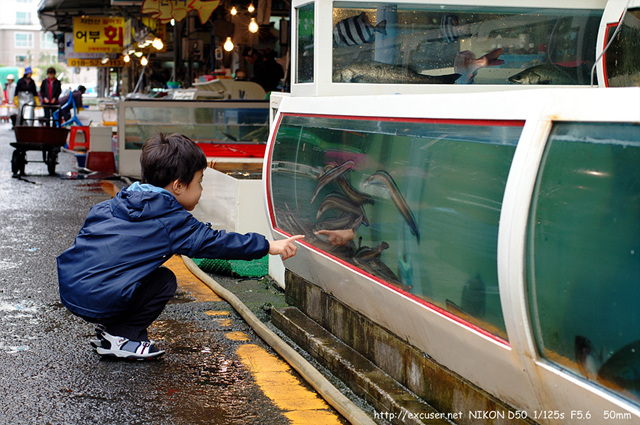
126	238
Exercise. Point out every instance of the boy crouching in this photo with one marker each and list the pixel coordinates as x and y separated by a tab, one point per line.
113	276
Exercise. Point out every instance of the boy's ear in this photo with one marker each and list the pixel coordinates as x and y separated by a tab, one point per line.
177	186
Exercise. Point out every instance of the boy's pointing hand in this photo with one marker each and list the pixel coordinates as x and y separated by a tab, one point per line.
284	247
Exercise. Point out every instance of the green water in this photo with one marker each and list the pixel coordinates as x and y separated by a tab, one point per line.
442	236
583	259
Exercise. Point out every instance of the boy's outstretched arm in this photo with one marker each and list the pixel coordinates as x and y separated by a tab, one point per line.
284	247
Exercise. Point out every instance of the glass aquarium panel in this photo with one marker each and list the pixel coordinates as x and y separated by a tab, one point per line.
413	203
305	24
203	124
437	44
583	253
622	61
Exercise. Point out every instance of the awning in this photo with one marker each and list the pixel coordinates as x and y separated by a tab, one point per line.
57	15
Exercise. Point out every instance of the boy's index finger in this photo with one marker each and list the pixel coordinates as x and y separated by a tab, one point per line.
295	238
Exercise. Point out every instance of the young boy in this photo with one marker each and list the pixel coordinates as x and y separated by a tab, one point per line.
112	275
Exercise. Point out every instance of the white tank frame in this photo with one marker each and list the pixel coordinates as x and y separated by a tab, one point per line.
514	373
323	45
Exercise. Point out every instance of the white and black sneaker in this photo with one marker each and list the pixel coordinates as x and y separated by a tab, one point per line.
99	341
124	348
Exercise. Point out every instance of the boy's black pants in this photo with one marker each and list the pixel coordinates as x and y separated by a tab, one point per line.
147	303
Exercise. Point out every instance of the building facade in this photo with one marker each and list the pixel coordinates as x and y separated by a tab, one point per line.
22	40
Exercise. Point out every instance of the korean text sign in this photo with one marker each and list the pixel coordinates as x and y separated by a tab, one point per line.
98	34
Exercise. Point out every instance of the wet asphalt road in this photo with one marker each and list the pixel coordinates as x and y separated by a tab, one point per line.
49	373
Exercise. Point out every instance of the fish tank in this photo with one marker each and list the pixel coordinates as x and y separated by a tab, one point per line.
404	43
216	125
413	204
233	121
583	253
621	64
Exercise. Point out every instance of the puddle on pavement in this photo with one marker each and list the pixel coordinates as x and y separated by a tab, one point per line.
208	384
94	186
181	297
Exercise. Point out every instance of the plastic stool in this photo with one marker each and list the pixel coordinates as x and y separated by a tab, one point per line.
101	161
73	144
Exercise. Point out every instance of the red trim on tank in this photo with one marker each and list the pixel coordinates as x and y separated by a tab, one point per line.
433	307
611	26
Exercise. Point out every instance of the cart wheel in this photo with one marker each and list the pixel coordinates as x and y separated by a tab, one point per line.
52	161
18	161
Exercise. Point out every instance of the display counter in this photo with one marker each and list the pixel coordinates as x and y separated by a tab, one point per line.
239	127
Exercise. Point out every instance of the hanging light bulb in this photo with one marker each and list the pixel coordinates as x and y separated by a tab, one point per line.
253	26
173	22
126	58
251	8
233	11
104	59
157	43
138	54
228	44
144	61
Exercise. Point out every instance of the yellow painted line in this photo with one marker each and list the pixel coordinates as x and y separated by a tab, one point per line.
300	404
237	336
224	322
221	317
188	282
274	377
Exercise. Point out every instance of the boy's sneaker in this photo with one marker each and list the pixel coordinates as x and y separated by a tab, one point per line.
99	341
116	346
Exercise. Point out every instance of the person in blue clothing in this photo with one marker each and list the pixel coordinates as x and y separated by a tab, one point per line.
113	275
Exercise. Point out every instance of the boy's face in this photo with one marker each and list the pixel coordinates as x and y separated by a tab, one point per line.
187	195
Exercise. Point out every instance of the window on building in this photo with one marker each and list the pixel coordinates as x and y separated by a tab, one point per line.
23	40
23	18
21	60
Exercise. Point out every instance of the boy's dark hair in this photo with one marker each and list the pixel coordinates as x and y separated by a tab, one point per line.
166	158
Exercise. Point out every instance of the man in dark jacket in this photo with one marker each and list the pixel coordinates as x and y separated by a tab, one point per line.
112	275
50	91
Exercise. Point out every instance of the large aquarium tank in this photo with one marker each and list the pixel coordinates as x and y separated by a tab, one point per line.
412	203
622	61
583	253
404	43
224	121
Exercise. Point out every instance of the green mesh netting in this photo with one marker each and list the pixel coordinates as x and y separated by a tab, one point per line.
234	268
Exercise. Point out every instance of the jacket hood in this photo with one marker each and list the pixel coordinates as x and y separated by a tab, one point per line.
139	205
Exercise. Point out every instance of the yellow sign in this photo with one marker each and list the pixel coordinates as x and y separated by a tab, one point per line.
166	10
98	34
113	63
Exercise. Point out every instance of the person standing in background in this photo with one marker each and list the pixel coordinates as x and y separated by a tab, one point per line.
27	94
50	91
10	93
266	71
10	88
